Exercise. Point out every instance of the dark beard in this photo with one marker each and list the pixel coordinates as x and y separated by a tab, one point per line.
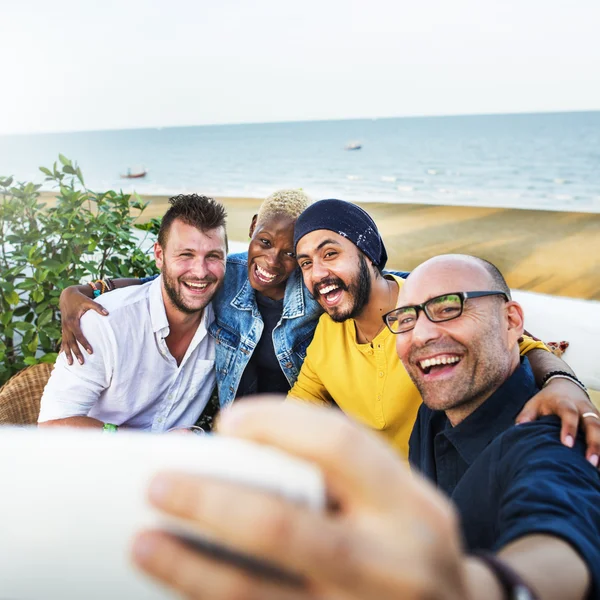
360	289
175	297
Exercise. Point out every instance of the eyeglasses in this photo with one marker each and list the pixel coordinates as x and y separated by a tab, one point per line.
437	310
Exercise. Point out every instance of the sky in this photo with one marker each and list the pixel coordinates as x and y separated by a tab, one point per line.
70	65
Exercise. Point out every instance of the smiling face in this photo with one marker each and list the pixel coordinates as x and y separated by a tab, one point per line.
335	272
192	265
271	258
457	364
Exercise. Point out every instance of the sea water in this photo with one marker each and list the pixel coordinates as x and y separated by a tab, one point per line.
540	161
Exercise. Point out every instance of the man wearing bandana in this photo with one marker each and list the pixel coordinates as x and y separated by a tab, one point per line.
352	360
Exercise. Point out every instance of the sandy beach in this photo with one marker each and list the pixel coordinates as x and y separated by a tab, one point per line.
542	251
537	250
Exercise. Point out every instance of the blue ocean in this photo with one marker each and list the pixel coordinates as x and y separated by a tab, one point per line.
539	161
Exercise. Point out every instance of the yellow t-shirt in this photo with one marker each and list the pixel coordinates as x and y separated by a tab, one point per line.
367	381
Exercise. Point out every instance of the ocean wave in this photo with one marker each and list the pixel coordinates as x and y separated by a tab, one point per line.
511	168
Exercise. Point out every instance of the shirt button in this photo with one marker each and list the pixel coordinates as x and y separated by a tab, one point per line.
160	420
170	397
288	365
381	373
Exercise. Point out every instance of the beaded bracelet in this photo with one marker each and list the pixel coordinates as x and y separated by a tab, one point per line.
95	291
103	285
564	375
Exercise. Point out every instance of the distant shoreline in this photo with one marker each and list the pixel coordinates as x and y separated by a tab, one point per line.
533	161
542	251
321	120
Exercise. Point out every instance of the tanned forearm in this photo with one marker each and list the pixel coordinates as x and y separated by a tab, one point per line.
546	563
87	422
549	565
481	582
125	282
543	362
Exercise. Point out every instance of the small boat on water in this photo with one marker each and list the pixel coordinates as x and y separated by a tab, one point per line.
134	174
353	146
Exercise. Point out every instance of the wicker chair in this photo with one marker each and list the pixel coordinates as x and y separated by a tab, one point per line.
20	396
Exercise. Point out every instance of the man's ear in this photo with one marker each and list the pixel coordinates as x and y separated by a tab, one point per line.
158	255
515	320
252	225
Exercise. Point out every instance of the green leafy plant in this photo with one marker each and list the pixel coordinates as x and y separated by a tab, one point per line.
45	247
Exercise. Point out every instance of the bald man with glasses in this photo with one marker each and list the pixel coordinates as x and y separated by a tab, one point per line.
520	493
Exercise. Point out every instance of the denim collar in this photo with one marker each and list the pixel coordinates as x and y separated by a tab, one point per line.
472	435
293	299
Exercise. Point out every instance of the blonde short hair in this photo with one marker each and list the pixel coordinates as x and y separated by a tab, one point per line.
284	202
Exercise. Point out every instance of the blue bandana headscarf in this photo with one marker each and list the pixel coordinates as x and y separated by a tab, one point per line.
347	220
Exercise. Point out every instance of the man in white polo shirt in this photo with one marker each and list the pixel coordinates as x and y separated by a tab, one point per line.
153	361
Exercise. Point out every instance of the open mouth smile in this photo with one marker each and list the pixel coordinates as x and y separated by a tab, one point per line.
263	275
439	365
196	286
331	294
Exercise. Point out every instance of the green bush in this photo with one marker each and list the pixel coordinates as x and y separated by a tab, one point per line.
83	235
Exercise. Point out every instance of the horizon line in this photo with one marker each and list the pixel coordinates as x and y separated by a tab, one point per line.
282	122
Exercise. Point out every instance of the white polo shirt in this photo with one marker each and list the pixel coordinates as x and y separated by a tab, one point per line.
132	379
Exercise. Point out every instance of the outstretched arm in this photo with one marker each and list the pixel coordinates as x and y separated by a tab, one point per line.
532	557
381	537
385	534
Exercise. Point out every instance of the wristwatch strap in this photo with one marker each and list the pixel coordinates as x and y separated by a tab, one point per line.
512	584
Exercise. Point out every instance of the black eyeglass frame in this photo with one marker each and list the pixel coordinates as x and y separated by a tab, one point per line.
464	296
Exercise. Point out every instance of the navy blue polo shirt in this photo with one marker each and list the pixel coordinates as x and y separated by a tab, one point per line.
509	481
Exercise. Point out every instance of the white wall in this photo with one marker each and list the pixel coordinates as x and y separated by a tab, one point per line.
553	318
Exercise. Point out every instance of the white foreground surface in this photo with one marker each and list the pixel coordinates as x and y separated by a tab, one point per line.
71	501
553	318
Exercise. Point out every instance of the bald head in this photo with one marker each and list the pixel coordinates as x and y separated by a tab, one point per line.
452	273
459	360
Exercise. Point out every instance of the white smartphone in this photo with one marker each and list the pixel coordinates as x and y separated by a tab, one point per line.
72	500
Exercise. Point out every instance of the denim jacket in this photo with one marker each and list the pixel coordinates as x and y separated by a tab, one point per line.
238	326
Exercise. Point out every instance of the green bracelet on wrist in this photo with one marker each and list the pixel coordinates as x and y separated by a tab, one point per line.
110	428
